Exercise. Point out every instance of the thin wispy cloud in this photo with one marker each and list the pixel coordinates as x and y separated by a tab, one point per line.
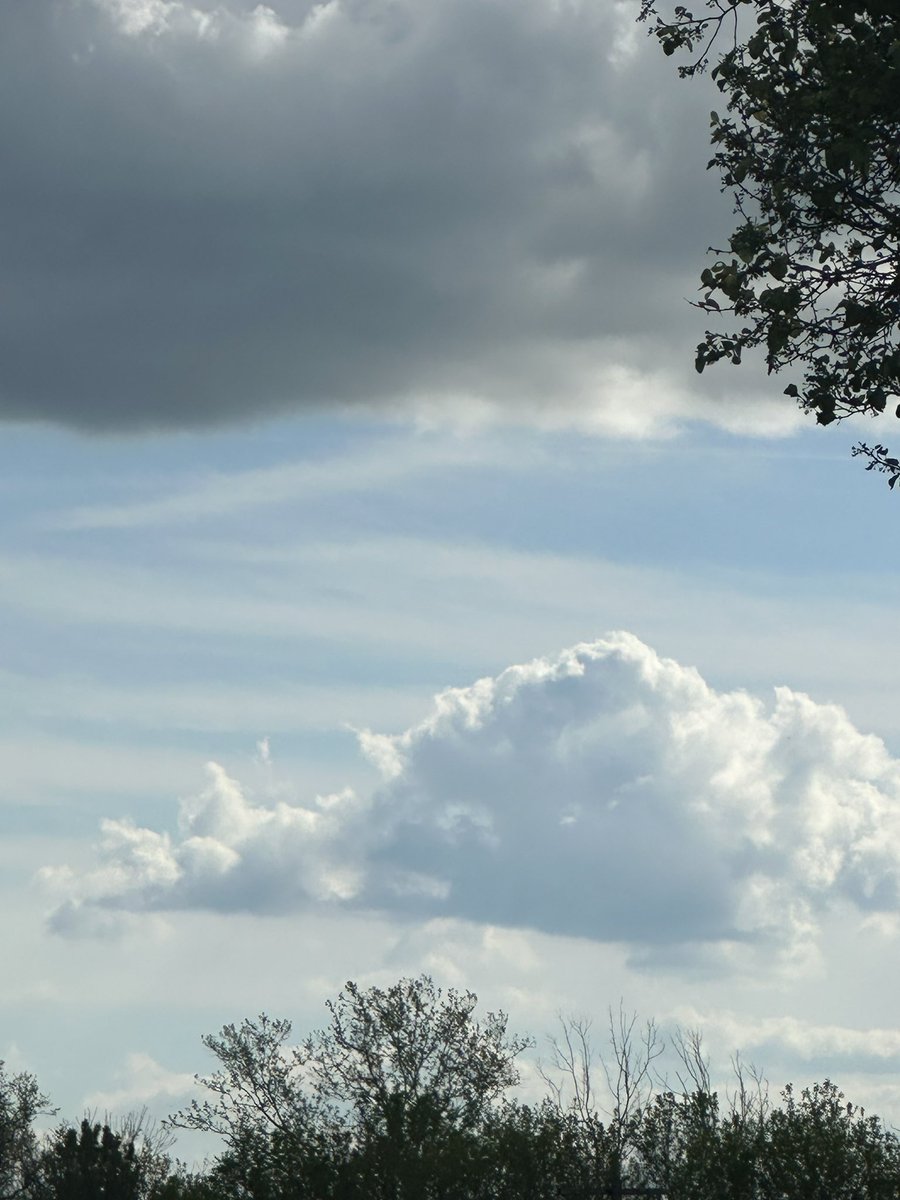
383	464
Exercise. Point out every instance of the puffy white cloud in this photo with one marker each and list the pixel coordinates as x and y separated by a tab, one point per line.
487	207
135	17
230	854
806	1040
605	793
795	1044
143	1081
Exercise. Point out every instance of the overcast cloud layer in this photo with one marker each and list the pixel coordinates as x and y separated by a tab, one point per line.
215	211
606	793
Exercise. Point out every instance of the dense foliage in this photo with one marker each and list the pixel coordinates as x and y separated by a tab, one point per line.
405	1095
809	146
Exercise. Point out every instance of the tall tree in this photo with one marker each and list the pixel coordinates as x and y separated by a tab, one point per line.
394	1053
818	1144
387	1100
280	1138
21	1102
91	1163
809	146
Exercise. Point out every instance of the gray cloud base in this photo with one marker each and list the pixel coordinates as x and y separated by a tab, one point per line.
215	212
606	793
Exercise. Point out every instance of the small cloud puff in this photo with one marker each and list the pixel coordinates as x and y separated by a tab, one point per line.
142	1081
605	793
230	855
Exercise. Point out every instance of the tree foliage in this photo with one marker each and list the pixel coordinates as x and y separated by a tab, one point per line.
21	1103
94	1160
386	1100
405	1095
280	1137
80	1164
386	1052
808	143
819	1144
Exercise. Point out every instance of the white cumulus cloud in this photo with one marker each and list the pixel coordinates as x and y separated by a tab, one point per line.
606	793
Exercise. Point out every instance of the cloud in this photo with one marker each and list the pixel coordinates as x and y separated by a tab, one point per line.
142	1081
230	855
218	211
606	793
796	1041
384	463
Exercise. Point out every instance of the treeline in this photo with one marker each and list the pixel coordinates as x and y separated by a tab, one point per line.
407	1095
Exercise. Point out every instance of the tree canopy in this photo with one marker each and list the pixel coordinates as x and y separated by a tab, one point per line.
21	1103
808	143
389	1097
405	1094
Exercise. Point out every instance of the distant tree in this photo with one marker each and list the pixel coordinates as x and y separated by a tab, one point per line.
386	1101
809	146
410	1054
606	1092
182	1184
819	1145
281	1138
544	1152
21	1102
403	1096
91	1163
95	1161
815	1147
680	1143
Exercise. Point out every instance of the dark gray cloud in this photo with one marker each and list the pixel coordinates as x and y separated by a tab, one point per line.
215	211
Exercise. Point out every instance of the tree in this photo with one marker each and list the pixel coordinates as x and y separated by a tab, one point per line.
387	1100
417	1074
91	1163
608	1117
97	1162
538	1152
391	1052
813	1147
21	1102
280	1138
402	1096
809	145
679	1144
820	1145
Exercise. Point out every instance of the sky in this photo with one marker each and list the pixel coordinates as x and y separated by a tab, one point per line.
381	591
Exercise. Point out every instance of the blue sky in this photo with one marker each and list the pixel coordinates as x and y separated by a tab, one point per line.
305	424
